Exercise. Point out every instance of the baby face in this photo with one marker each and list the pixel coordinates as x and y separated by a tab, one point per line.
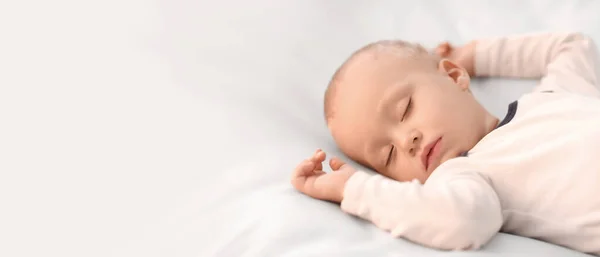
403	118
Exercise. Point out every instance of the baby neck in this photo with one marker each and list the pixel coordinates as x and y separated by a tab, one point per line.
491	123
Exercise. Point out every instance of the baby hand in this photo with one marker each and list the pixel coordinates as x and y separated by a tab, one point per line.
310	179
461	55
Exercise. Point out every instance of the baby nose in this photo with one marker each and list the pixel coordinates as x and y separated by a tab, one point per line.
411	142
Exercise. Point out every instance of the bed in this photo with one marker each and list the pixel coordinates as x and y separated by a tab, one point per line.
170	128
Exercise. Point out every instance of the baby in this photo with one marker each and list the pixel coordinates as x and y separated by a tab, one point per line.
450	174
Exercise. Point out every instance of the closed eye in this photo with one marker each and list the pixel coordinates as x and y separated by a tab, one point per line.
389	158
408	108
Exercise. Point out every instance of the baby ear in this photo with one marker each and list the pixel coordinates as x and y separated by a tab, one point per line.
456	73
464	81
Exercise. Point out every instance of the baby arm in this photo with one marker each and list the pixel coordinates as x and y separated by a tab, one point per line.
563	61
450	212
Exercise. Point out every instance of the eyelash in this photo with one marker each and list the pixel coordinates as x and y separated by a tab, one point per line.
389	159
407	108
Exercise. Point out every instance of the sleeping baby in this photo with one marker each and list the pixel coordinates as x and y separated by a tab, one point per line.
450	175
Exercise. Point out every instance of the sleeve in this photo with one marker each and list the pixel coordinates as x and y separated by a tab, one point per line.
564	62
457	213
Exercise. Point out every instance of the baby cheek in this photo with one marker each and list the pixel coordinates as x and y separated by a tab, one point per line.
442	117
403	174
393	174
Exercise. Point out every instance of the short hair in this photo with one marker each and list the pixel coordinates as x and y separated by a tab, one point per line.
401	49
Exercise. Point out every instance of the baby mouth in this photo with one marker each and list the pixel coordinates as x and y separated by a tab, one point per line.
429	153
428	159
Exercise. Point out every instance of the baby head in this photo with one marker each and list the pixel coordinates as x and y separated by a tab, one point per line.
402	111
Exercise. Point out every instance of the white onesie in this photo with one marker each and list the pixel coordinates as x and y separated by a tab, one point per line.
536	175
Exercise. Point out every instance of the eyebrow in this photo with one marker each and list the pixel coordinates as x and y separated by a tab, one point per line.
398	92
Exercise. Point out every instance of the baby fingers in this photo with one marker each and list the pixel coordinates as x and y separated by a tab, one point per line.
335	163
443	49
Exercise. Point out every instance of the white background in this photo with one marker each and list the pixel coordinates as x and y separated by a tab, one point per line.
169	128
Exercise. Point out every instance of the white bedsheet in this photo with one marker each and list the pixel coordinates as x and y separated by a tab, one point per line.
170	127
